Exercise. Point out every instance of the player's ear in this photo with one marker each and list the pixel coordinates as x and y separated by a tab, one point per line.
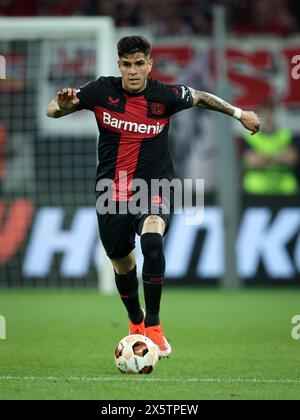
150	61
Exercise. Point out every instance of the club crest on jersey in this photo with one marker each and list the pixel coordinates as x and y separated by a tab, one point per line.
113	101
157	108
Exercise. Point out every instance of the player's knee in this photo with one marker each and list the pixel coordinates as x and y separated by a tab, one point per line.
122	269
154	224
124	265
152	245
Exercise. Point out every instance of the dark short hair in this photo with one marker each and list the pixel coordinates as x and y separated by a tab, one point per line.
132	45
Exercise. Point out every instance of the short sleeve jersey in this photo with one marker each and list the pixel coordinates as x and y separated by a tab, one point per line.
133	129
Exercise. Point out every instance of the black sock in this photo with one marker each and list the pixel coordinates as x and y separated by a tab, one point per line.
127	285
153	275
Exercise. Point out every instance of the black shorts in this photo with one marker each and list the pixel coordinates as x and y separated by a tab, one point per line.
117	231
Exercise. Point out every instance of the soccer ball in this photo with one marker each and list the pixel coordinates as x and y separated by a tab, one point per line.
136	354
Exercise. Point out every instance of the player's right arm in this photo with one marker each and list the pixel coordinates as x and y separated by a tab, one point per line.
64	103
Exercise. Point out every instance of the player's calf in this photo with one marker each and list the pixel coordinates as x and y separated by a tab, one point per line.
153	275
127	285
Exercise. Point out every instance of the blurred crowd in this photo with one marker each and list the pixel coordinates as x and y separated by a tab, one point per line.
270	160
172	17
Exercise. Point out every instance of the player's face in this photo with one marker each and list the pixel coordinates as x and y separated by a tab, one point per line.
134	69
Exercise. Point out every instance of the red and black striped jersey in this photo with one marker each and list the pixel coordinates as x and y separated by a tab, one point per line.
133	128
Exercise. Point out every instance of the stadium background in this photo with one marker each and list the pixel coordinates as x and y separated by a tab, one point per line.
48	229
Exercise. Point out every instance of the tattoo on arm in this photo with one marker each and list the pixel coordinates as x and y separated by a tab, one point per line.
209	101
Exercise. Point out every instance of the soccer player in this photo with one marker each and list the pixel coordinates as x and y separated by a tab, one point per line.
133	113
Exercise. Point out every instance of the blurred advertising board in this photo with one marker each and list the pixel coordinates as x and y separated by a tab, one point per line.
55	246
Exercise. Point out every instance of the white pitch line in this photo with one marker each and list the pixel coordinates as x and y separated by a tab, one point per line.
147	379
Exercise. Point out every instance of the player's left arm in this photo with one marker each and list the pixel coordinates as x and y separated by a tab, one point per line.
248	119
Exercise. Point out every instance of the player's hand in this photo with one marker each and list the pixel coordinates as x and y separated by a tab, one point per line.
67	99
251	121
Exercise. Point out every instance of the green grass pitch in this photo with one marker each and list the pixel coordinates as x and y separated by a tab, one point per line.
226	345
